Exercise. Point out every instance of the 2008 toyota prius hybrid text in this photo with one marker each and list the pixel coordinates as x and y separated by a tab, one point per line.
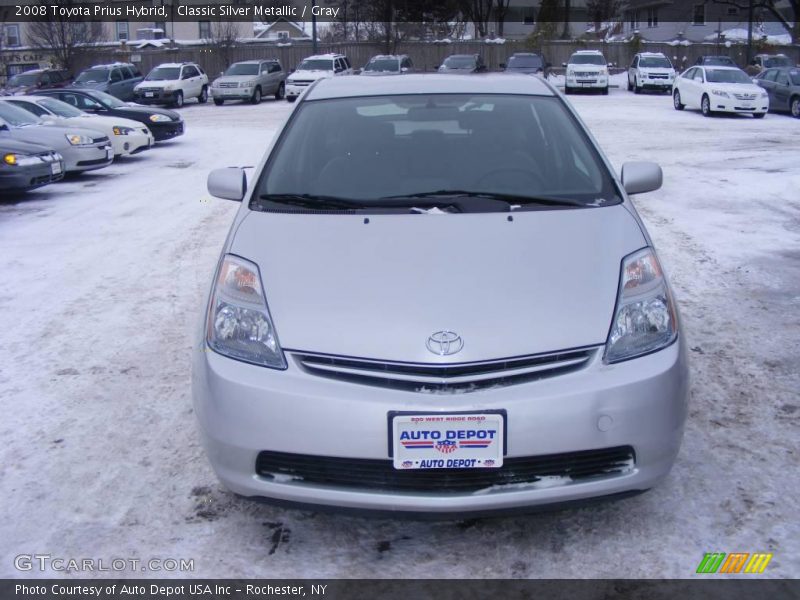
437	297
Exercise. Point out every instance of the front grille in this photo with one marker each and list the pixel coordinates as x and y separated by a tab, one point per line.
444	378
656	76
302	82
228	84
99	140
91	163
380	475
745	96
585	74
146	89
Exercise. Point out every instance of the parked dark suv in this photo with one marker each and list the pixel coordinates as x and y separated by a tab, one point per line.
526	62
37	79
716	61
117	79
463	63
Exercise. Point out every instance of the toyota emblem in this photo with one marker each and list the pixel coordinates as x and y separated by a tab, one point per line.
445	343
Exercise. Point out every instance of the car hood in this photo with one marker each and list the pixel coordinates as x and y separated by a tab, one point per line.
524	70
9	144
94	85
133	112
235	78
53	136
311	75
157	84
586	68
545	281
19	90
737	88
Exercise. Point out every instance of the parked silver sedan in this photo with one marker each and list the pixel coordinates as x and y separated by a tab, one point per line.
446	304
82	149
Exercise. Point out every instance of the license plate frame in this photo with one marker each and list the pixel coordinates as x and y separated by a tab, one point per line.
149	94
55	168
399	456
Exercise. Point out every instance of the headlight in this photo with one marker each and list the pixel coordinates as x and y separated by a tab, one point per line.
290	81
720	93
245	84
160	118
764	95
602	72
118	130
21	160
78	140
169	88
645	318
239	325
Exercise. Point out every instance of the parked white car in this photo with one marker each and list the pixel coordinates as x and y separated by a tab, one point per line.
173	83
719	89
650	71
127	136
586	69
316	67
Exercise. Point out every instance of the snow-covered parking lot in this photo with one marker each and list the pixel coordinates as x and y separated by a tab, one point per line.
103	281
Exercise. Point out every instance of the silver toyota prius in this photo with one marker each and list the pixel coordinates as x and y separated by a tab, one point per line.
437	297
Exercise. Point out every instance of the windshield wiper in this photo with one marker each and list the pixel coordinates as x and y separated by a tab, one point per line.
504	202
312	201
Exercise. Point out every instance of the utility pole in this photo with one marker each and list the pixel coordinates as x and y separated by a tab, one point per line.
749	31
313	26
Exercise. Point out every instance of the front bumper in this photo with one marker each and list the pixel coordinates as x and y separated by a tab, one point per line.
733	105
133	143
295	90
155	96
587	82
656	84
236	93
22	178
244	409
88	158
164	130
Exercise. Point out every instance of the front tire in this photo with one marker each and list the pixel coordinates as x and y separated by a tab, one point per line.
637	89
794	107
630	86
280	93
256	97
567	90
605	91
178	102
219	101
291	98
203	97
705	106
759	115
676	101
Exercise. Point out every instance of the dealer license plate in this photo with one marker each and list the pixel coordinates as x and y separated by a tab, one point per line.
55	168
747	105
109	152
149	94
448	441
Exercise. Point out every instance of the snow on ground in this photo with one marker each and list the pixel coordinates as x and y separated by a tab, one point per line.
103	279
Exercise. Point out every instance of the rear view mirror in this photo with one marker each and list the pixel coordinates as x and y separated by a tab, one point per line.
228	184
641	177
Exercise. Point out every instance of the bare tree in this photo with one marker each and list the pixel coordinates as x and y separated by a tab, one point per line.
478	13
223	36
500	12
64	38
791	22
601	11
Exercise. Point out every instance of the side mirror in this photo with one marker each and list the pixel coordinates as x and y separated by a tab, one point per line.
564	64
221	73
502	65
641	177
403	69
228	184
291	71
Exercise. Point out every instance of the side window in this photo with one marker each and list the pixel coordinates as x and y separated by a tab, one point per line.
189	71
126	73
337	65
698	75
347	62
31	107
635	63
783	78
770	75
690	73
116	75
264	68
199	70
45	79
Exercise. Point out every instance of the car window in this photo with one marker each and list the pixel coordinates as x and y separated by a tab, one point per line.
275	68
62	109
163	74
264	68
347	63
635	63
56	77
79	101
782	78
31	107
698	75
770	74
190	71
116	75
126	72
690	73
377	147
45	79
586	59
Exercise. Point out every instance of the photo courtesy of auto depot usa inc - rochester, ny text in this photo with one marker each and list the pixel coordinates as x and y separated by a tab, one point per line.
178	10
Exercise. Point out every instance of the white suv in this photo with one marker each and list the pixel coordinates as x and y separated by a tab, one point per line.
650	70
173	83
316	67
586	69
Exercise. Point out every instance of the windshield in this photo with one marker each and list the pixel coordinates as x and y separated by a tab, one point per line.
525	62
164	74
795	77
93	76
727	76
107	99
655	62
242	69
459	62
587	59
23	79
62	109
18	117
383	64
778	61
719	60
377	151
316	64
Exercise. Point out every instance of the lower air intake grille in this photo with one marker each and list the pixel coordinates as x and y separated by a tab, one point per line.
380	475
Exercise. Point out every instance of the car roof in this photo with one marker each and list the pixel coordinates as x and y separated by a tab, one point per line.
255	61
652	54
587	52
492	83
111	65
389	56
329	55
720	67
